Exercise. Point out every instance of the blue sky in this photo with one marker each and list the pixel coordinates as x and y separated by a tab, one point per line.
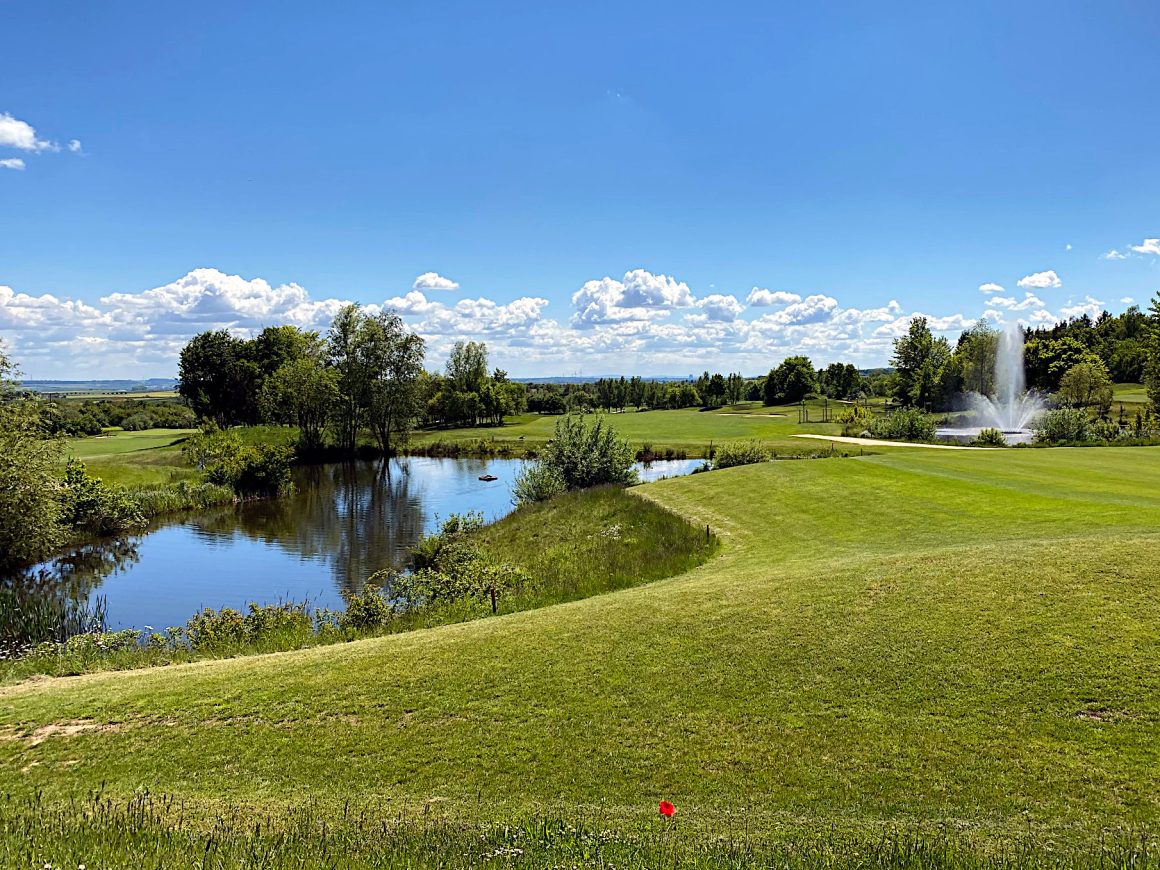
610	187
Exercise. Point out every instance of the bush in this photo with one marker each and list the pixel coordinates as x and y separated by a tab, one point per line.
262	470
138	422
91	505
990	438
537	481
1064	425
740	453
581	455
905	424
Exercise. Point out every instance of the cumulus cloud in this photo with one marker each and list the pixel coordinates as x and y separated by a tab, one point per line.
1040	280
640	296
759	297
1148	246
21	135
1090	306
1113	254
719	307
618	326
74	145
1127	300
12	163
991	287
433	281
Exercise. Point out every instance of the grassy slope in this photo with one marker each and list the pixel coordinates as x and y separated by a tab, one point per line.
914	636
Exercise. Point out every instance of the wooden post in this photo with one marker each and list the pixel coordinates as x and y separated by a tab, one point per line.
493	604
706	533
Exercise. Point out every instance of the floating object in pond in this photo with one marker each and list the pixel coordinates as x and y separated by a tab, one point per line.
488	477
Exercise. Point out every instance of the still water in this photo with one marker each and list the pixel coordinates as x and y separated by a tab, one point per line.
344	522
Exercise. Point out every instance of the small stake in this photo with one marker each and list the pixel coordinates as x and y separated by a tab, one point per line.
706	532
493	605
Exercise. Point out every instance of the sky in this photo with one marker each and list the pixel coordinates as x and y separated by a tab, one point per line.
611	188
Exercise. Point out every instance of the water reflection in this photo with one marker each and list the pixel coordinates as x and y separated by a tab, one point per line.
344	522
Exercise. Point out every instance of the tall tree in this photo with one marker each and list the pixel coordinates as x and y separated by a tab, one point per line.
791	381
919	360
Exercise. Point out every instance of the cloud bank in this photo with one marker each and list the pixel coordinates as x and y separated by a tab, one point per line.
643	322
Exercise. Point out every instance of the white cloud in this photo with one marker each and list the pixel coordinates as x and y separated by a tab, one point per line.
1127	300
717	307
1030	300
18	134
74	145
759	297
1067	247
1090	306
1148	246
433	281
619	326
640	296
413	303
12	163
1040	280
1113	254
991	287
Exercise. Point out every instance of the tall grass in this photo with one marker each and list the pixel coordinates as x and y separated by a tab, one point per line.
150	831
182	495
26	621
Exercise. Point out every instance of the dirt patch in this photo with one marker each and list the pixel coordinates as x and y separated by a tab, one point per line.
59	729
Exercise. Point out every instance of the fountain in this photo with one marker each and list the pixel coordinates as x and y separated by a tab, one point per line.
1012	410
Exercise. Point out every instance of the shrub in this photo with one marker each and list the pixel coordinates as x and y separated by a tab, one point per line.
138	422
580	455
262	470
905	424
740	453
537	481
1063	425
990	438
90	504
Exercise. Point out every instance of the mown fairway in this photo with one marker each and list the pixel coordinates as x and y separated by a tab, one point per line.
688	429
902	639
150	456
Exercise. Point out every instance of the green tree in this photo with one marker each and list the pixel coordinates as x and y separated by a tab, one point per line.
30	507
1087	385
394	357
790	382
218	379
919	360
302	393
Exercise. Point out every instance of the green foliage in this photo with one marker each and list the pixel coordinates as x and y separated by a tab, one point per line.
302	392
537	481
919	361
733	453
904	424
1087	385
790	382
581	455
91	505
28	620
990	437
1064	425
251	470
30	524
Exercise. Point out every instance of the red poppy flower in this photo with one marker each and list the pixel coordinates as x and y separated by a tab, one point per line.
667	809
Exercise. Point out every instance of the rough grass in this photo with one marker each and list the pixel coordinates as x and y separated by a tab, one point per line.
897	643
592	541
151	457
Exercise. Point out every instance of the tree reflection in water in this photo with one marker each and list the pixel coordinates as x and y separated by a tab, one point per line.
74	575
357	517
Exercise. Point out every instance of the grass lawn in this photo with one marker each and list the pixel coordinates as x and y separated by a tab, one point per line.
148	457
884	643
688	429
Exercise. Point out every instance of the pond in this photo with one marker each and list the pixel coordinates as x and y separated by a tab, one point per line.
344	522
